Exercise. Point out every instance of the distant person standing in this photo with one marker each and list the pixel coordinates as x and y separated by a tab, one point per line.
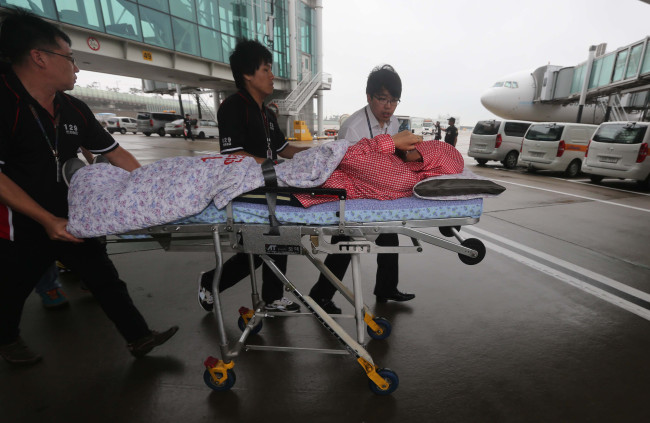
451	135
188	127
438	131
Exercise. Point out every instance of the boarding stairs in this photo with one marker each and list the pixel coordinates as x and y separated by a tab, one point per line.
206	111
617	111
305	90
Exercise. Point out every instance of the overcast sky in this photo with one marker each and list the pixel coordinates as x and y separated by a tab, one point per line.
449	52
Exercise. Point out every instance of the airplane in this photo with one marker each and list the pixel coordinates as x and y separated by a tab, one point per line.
512	97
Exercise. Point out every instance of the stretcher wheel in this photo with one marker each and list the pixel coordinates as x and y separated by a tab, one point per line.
242	325
207	378
391	378
474	244
446	230
385	326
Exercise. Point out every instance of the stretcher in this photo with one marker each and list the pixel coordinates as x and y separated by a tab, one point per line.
264	229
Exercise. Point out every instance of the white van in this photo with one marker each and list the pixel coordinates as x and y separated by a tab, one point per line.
497	140
619	150
556	146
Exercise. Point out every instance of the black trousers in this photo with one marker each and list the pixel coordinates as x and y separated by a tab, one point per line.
236	268
387	269
23	264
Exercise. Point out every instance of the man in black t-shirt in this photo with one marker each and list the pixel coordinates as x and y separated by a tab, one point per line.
248	128
451	132
41	128
188	127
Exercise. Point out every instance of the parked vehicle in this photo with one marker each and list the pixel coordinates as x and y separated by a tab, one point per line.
122	125
619	150
556	146
175	128
498	140
154	122
201	128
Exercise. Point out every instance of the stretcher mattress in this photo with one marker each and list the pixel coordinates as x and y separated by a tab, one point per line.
361	211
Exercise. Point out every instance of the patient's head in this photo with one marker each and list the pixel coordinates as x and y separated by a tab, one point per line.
247	58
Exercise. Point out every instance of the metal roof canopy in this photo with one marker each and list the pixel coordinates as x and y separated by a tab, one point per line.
117	56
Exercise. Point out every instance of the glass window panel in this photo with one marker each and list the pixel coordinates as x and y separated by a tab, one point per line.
43	8
645	67
211	47
606	70
183	9
595	73
81	13
233	18
208	13
161	5
121	18
156	28
228	45
576	84
635	59
186	36
280	65
619	67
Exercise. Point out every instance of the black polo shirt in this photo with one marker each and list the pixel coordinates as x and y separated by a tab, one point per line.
452	133
27	159
243	126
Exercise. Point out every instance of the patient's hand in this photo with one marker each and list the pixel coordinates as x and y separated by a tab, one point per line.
406	140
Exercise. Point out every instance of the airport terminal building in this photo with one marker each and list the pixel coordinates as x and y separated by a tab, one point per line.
185	44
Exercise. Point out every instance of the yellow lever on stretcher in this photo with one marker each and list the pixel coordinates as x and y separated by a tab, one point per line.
369	319
371	372
218	369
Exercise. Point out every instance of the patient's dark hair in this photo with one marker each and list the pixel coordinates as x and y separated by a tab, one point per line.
384	77
22	31
247	58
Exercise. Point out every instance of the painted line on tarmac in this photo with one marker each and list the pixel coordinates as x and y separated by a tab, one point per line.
612	298
573	195
591	184
565	264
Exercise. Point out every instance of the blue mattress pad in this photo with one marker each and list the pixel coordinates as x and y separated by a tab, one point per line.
361	211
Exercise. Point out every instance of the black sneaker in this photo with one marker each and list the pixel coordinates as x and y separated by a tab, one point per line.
144	345
328	306
69	168
18	353
283	304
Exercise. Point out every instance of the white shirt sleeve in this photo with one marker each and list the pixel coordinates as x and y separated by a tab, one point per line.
349	134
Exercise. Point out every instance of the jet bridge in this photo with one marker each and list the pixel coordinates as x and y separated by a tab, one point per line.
619	79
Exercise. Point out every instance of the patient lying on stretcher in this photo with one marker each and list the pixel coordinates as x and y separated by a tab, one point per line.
108	200
387	168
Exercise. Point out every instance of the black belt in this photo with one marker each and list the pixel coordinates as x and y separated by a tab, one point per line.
271	180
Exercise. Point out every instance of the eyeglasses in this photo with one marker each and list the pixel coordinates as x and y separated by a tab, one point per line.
70	58
385	100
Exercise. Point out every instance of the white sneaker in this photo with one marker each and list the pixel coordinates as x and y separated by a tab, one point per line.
205	295
283	304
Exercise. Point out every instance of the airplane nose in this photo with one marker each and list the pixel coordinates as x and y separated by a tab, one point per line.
493	101
488	99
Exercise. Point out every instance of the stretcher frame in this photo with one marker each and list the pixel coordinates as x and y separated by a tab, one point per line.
307	240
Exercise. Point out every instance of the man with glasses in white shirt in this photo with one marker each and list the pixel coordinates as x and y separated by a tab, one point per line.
383	92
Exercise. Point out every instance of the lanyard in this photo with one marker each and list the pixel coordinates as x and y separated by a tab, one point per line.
267	130
54	148
369	127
